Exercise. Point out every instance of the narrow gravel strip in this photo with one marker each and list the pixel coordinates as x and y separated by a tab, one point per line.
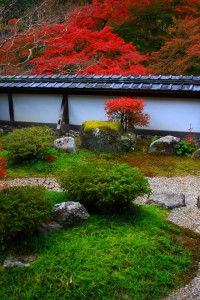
188	217
48	183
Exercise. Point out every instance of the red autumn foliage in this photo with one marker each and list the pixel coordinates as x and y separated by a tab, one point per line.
127	111
49	158
88	39
79	50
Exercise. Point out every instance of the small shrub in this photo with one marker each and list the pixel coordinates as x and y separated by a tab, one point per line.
47	153
104	186
2	165
185	148
25	144
22	208
154	138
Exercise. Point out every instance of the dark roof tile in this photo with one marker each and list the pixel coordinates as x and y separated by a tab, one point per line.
103	82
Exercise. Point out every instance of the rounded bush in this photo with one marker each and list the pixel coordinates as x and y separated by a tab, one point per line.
104	186
22	208
25	144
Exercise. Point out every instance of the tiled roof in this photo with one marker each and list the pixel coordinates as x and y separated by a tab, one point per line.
102	82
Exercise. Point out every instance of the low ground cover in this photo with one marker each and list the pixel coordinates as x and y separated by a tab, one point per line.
134	255
137	256
150	164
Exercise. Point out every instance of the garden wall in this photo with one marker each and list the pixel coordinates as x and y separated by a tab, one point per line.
166	114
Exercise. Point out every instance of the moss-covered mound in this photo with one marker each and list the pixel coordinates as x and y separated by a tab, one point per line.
106	136
103	126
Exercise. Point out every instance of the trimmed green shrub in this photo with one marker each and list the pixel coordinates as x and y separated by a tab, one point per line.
104	186
22	208
25	144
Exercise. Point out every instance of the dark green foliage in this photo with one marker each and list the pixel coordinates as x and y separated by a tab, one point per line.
25	144
104	186
22	208
185	148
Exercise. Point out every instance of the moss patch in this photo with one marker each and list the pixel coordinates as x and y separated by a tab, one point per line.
103	126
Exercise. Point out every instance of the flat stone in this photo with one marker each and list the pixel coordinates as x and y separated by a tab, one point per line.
167	200
18	262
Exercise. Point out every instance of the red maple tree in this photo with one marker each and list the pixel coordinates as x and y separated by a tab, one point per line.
127	111
83	51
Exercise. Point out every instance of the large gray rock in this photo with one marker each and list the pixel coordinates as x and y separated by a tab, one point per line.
166	200
196	154
164	145
98	141
66	144
69	213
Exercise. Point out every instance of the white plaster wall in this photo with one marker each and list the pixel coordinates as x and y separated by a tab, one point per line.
4	108
165	114
37	108
86	107
173	114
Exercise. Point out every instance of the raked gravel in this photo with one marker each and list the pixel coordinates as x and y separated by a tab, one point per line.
188	216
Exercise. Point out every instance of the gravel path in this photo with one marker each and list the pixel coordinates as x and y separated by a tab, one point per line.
49	183
188	216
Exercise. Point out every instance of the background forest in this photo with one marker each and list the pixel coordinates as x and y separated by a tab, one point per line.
100	37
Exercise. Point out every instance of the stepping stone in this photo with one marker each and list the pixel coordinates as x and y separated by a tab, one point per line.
167	200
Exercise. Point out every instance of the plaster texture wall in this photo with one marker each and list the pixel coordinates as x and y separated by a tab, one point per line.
37	108
165	114
4	108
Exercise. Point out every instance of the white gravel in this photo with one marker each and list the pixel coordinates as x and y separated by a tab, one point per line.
188	216
48	183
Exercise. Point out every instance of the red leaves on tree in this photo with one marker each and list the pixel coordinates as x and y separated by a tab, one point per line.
85	43
83	51
127	111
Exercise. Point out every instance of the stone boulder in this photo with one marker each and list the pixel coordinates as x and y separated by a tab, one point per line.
69	213
166	200
164	145
107	140
196	154
65	144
